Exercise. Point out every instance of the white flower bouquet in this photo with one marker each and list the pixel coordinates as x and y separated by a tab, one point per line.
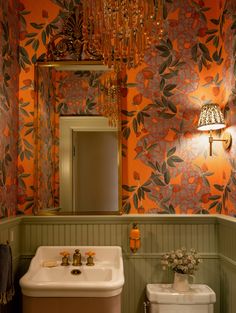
181	261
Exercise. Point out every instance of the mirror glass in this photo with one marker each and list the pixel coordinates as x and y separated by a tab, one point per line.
77	165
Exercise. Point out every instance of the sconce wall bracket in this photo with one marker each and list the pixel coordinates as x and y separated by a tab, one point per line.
226	141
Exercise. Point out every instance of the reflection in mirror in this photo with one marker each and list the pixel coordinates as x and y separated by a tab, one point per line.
70	89
89	165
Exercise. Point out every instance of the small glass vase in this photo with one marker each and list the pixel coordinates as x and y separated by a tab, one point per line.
181	282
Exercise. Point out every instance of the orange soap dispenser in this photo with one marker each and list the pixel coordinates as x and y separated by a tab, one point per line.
134	238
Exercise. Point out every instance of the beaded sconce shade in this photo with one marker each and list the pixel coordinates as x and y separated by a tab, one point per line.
211	117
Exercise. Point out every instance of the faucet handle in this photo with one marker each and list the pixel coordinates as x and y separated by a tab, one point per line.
65	253
90	255
65	258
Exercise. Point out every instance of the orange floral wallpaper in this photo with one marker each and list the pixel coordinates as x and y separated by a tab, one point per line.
167	163
9	81
166	167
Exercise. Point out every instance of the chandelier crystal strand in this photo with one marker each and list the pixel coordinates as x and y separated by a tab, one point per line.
122	30
108	99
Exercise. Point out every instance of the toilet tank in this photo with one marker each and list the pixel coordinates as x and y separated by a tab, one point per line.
164	299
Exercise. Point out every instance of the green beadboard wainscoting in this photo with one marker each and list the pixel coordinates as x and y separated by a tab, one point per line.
227	253
158	233
10	232
213	236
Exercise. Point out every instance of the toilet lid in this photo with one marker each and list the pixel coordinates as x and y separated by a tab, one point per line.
164	293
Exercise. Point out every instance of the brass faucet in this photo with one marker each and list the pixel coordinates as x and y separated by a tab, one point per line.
77	258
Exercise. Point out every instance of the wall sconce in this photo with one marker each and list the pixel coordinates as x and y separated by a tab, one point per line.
211	118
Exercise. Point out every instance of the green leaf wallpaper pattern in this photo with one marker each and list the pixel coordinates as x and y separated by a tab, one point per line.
166	168
9	82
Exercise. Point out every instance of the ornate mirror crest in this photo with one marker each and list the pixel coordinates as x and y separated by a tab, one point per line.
71	42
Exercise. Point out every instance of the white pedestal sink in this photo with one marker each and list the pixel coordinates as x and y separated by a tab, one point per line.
95	286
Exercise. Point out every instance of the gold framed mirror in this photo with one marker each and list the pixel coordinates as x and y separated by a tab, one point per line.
86	92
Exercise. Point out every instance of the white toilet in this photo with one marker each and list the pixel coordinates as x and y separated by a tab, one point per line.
164	299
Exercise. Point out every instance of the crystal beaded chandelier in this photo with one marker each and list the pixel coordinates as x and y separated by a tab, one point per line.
122	30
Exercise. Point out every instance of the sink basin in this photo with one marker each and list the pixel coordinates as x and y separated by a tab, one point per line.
104	279
64	275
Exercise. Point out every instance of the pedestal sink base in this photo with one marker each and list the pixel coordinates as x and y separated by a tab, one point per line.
62	305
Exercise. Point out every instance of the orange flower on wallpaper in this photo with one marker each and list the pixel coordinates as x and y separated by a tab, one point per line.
136	176
45	14
137	99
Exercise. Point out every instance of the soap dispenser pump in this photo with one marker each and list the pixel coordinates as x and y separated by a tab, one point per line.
134	238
